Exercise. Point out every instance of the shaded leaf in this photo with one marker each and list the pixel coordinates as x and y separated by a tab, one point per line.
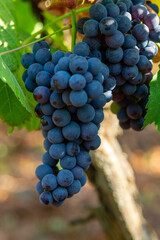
25	22
114	108
11	110
32	124
17	104
10	131
153	106
8	78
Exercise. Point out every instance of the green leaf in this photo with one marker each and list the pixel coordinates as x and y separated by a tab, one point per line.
10	131
8	34
14	108
25	119
8	78
11	110
25	22
17	104
58	39
32	124
153	106
114	108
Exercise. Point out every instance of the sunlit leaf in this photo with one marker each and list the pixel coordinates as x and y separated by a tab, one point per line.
58	39
28	19
17	104
8	34
153	106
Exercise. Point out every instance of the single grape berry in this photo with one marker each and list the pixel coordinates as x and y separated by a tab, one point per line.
65	178
41	94
43	55
27	59
49	182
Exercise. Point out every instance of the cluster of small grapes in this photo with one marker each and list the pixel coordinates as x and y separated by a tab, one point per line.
69	90
123	34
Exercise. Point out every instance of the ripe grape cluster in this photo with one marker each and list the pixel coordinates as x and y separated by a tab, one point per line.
70	94
123	35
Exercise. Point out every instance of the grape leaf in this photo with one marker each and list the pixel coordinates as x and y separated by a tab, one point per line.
8	34
8	78
32	124
10	131
153	106
17	104
11	111
58	39
14	103
114	108
28	19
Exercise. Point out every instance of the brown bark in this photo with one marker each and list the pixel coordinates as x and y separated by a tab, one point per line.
120	213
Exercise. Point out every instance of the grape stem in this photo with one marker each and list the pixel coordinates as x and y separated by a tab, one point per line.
74	29
81	10
40	39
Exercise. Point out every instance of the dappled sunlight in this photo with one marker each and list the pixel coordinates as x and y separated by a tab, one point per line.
3	65
5	44
3	24
37	27
6	27
11	23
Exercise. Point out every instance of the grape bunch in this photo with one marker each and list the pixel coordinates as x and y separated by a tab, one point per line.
70	94
123	35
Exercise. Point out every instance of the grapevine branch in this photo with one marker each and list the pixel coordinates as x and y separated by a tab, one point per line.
40	39
81	10
73	29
